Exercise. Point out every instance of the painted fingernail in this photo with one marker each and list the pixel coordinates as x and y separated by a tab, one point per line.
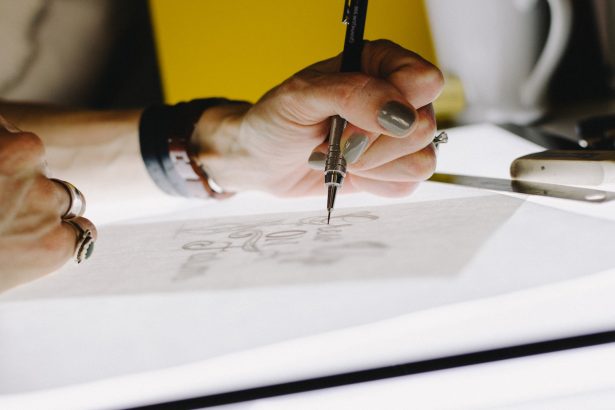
396	118
4	123
355	147
317	161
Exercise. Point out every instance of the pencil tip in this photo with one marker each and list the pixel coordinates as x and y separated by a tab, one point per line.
328	216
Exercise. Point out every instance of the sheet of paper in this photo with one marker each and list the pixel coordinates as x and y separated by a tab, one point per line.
221	296
169	293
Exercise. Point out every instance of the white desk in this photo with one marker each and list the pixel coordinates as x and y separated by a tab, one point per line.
117	350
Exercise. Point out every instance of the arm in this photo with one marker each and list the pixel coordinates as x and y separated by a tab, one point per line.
264	147
91	149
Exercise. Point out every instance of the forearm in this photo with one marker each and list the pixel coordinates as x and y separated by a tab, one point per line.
65	126
98	151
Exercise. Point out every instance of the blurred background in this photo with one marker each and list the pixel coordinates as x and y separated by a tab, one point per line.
119	54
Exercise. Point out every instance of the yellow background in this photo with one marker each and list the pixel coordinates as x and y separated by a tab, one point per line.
241	48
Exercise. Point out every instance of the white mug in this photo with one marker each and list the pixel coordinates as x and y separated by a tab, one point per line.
497	48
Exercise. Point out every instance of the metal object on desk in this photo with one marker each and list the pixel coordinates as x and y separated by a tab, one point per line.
526	187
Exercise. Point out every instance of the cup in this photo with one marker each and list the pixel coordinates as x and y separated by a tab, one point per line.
503	51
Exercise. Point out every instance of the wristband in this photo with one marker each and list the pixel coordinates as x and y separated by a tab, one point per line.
171	160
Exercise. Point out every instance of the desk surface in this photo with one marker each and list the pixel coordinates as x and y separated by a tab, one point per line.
45	340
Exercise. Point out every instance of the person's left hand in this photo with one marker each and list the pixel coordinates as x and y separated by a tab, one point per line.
391	127
35	239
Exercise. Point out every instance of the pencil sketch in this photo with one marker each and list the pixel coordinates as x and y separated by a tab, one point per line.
418	242
277	240
468	246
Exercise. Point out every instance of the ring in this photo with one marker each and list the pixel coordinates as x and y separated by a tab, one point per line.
85	242
76	207
441	138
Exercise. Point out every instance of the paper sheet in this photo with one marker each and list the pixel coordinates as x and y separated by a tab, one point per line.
240	293
147	302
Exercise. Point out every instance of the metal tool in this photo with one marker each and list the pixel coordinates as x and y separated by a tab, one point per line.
335	165
526	187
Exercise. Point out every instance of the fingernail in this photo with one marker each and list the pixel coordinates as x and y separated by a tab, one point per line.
355	147
317	161
396	118
4	123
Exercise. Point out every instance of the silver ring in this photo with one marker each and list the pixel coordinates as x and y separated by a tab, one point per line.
76	207
84	245
441	138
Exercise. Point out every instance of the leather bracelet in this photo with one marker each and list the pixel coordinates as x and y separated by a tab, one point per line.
165	134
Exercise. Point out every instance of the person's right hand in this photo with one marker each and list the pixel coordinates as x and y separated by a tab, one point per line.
34	240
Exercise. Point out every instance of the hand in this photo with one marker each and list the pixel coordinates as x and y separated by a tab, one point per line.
391	121
33	238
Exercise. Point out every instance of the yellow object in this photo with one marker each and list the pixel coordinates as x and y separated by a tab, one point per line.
241	48
451	101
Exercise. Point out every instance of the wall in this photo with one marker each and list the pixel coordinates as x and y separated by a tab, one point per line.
241	48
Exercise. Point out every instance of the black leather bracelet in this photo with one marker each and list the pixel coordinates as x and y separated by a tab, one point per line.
164	136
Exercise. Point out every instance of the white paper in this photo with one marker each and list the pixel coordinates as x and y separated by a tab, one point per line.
143	304
412	257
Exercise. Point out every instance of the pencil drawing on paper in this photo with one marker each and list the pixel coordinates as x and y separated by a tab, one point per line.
306	241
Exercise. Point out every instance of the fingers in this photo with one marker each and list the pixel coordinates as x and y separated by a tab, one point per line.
384	158
418	80
61	244
372	104
418	166
381	99
385	149
41	256
45	197
86	236
19	151
84	224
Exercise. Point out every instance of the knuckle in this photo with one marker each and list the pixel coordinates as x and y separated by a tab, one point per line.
352	86
422	80
293	90
21	149
30	142
295	84
430	78
424	163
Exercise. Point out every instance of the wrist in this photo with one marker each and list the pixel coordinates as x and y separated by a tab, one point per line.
168	148
217	140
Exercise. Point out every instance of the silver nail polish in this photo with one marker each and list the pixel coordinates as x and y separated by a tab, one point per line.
317	161
396	118
355	147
